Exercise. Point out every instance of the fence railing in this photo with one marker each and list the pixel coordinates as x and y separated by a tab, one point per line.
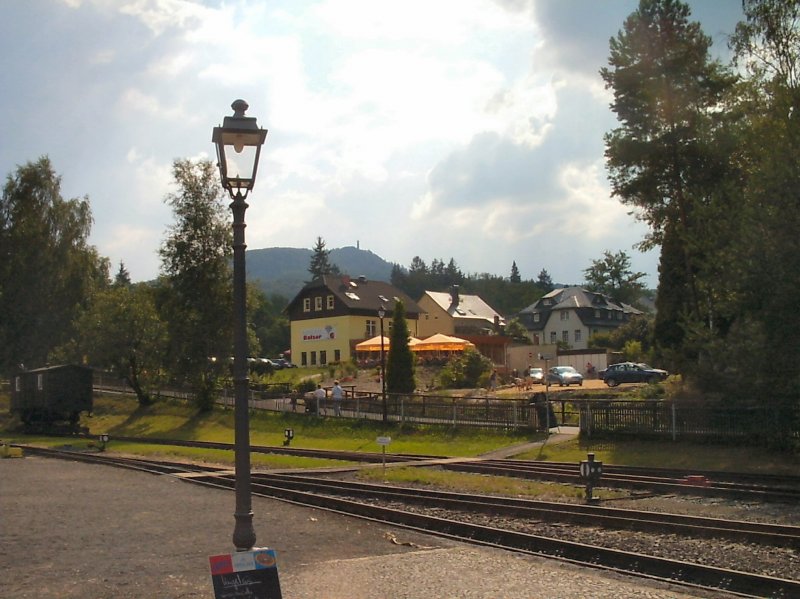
595	417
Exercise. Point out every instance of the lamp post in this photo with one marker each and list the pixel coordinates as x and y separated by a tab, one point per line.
381	314
239	142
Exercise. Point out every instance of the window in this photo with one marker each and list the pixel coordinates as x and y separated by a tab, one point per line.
597	313
553	337
18	383
303	359
565	336
577	335
307	304
323	357
329	302
565	315
536	317
318	304
619	315
313	358
371	328
40	381
337	355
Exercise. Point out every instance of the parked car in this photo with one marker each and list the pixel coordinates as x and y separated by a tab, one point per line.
564	376
536	375
284	363
631	372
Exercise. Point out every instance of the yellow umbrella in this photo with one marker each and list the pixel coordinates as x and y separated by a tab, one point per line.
373	344
442	342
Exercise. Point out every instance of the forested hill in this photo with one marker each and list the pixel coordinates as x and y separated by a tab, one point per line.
284	271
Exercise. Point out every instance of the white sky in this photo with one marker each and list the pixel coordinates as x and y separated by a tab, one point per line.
465	129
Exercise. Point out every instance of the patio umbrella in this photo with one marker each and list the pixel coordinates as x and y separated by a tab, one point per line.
442	342
373	344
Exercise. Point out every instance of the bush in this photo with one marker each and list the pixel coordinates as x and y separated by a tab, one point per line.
465	371
305	385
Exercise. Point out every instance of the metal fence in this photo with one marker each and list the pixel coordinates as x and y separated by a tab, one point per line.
595	417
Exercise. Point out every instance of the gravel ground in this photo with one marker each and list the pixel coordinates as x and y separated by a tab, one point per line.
73	530
748	557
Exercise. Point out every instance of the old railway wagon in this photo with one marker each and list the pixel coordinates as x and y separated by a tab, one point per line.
52	394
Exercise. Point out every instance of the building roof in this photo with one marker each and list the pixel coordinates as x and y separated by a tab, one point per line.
567	298
584	302
359	294
465	307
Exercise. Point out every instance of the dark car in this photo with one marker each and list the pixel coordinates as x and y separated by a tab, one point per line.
284	363
631	372
564	376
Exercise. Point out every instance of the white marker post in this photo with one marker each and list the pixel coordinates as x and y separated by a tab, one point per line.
383	442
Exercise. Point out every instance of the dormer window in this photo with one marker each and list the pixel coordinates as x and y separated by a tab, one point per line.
318	303
307	304
329	302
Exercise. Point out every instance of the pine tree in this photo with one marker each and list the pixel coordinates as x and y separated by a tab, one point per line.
515	278
400	362
320	261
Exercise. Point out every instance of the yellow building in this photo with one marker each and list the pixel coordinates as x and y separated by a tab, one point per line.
460	314
330	315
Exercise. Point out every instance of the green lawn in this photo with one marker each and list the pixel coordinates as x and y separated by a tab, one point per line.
120	415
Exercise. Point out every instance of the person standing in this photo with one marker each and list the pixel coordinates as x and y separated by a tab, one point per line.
337	393
493	381
319	398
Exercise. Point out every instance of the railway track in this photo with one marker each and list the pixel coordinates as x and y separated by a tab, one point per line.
753	487
375	502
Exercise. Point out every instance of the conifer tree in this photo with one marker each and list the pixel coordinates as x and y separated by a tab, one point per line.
400	362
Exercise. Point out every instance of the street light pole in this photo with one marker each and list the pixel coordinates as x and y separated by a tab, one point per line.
381	314
238	173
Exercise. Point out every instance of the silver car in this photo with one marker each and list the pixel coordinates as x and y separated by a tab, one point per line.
564	376
536	375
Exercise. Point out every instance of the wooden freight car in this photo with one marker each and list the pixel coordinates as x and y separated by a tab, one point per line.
52	394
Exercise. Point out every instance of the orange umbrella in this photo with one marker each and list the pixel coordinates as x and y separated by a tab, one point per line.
373	344
442	342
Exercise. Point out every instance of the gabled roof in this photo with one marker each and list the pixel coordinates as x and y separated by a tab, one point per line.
570	298
358	293
469	307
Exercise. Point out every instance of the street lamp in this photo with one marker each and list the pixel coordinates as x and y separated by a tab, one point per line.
239	142
381	314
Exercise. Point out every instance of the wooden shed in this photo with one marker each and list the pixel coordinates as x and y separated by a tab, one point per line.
51	394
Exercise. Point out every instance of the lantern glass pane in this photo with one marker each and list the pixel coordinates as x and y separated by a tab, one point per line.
240	165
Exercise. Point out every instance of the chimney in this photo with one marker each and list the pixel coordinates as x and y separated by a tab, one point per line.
454	299
346	280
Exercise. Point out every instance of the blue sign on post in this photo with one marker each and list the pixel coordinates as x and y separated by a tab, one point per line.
252	574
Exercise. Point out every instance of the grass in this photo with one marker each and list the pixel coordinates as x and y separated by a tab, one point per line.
481	484
669	454
119	415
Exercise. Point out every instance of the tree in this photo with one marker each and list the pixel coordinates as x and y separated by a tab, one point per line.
400	361
515	278
320	261
612	276
544	281
123	277
121	331
197	295
666	160
47	268
762	278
